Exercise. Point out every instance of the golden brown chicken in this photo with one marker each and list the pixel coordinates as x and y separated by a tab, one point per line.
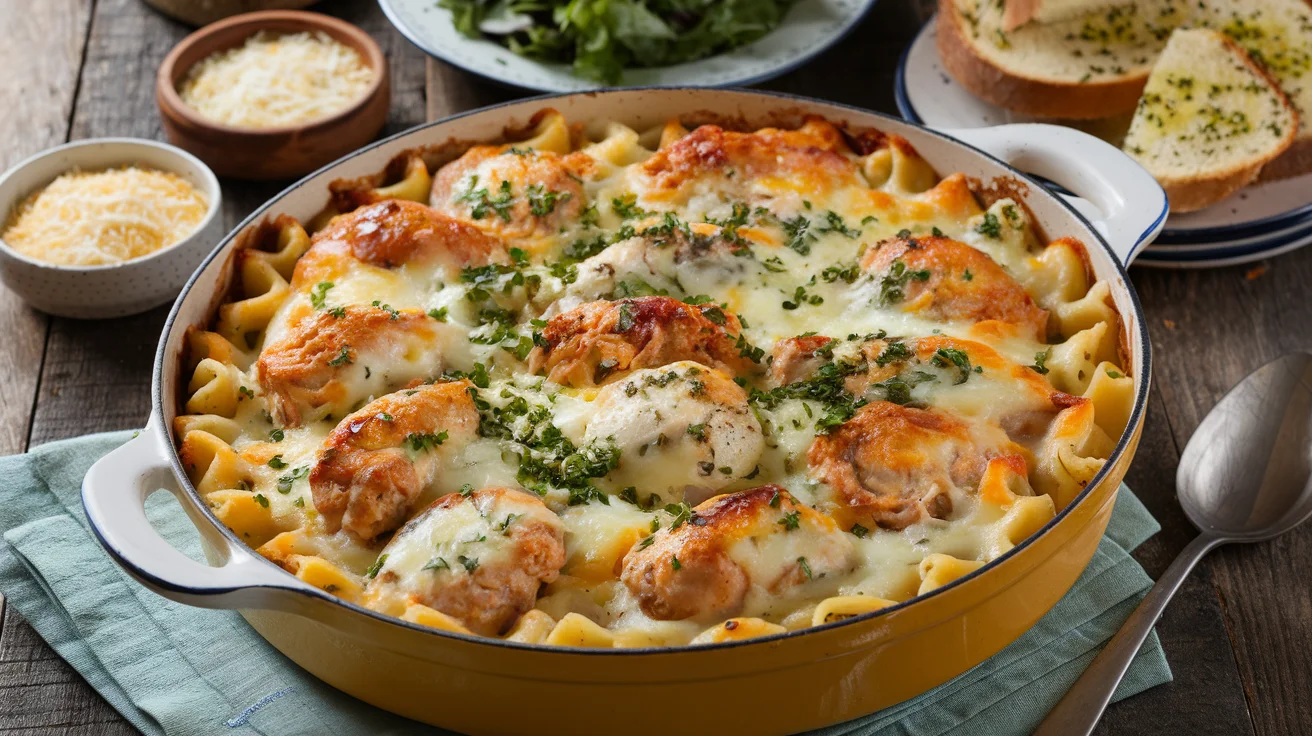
892	465
479	557
755	539
597	340
326	364
948	280
377	463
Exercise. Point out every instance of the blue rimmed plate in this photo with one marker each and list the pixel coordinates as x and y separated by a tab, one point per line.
1265	215
810	27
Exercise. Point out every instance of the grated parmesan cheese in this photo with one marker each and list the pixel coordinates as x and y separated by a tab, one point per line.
275	80
106	217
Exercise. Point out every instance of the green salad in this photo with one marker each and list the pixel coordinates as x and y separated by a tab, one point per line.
600	38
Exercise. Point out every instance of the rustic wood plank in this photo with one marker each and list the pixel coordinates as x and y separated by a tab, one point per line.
97	375
1253	314
42	54
1206	697
450	91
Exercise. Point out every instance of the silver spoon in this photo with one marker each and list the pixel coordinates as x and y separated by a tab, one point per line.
1245	476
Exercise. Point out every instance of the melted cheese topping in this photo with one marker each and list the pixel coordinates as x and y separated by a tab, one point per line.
276	80
626	461
105	217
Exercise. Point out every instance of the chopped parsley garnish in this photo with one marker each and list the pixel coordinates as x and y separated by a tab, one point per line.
277	463
372	572
626	208
246	392
285	482
806	568
319	293
950	357
775	498
799	234
1041	362
791	520
894	352
859	531
420	441
481	201
839	272
990	227
774	265
892	287
897	390
261	500
437	563
967	275
697	431
542	201
342	358
1113	374
470	563
386	308
276	435
624	322
834	224
674	563
800	297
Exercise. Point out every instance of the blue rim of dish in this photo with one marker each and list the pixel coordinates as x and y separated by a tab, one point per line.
1168	235
779	71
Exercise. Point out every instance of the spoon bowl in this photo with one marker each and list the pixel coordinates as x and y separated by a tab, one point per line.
1246	474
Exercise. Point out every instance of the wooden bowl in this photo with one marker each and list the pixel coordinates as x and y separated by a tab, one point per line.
270	153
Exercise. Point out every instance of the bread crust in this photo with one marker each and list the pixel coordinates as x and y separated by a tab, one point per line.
1295	161
1042	98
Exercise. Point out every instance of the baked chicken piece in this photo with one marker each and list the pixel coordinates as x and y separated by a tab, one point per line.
892	465
684	431
681	262
597	340
945	279
324	365
373	468
749	167
513	192
395	233
480	558
706	566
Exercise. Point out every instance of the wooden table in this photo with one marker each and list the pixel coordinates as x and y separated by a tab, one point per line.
1238	635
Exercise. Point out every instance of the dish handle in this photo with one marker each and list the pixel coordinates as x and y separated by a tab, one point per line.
114	494
1119	197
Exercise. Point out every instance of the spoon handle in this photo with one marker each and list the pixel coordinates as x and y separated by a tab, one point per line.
1079	710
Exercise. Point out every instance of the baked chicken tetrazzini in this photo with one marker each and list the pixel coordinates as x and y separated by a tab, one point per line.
602	387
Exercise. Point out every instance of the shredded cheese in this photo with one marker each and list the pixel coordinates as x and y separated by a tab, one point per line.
105	217
275	80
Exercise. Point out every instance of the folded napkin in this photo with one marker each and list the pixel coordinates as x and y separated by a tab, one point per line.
172	669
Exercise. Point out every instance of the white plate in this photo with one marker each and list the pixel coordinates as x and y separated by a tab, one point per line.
810	27
1151	260
926	94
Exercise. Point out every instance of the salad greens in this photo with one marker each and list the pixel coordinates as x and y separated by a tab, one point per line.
600	38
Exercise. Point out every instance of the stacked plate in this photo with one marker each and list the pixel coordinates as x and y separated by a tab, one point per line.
1259	221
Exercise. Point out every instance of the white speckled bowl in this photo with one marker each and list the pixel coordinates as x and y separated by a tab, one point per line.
97	292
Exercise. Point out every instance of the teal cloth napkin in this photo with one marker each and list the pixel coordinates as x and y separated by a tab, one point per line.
172	669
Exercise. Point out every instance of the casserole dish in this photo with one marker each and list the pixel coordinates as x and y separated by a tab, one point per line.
832	672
